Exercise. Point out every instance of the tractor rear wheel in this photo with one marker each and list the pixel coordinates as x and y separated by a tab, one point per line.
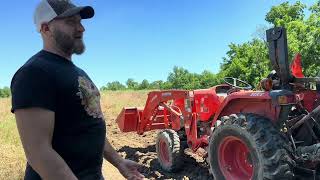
169	150
249	147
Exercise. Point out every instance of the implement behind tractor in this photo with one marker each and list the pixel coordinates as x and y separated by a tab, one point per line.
269	134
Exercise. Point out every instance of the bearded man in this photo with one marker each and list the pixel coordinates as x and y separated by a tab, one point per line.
57	106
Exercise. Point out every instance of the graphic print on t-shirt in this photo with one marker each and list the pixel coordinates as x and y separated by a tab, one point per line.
90	97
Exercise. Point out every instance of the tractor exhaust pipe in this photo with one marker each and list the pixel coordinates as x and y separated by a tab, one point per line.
278	53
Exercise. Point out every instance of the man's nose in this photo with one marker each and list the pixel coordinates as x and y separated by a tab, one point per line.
81	28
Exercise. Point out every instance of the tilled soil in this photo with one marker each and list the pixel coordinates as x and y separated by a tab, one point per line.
142	150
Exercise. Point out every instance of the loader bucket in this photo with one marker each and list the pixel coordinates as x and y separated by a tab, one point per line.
128	119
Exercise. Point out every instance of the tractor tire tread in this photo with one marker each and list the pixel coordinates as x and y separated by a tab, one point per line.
273	147
176	150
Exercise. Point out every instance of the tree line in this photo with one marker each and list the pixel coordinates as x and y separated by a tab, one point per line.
5	92
249	61
180	78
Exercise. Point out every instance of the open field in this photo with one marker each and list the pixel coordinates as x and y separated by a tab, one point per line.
130	145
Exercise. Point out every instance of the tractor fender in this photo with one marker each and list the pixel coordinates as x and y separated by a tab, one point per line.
256	102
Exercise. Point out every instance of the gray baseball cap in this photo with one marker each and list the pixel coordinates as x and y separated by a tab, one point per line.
48	10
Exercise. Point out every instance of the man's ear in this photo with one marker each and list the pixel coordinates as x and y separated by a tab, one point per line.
45	28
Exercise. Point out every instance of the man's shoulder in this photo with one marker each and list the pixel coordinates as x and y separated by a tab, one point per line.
36	63
41	61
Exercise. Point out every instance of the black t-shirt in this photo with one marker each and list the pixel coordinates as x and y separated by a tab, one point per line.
52	82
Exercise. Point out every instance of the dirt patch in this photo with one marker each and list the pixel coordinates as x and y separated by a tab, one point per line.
142	150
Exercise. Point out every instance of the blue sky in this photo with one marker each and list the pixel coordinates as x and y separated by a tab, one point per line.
140	39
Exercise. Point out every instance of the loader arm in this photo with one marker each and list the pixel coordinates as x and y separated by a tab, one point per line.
163	110
153	113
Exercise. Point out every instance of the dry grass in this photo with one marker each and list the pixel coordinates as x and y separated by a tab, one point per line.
113	101
5	106
12	159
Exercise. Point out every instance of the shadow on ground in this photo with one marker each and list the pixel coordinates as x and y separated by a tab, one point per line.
191	168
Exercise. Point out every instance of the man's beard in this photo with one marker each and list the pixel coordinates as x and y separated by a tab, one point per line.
69	45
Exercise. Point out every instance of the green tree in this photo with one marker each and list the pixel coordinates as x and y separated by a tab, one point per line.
208	79
166	85
131	84
180	78
248	61
156	85
284	13
114	86
5	92
144	84
303	33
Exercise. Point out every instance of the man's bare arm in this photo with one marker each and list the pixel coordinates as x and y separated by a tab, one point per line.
128	168
111	155
35	127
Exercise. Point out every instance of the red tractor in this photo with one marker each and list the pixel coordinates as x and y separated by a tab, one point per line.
269	134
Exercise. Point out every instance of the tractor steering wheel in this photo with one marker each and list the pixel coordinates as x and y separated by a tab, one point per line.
234	82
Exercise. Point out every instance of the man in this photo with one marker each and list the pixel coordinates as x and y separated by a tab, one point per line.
56	105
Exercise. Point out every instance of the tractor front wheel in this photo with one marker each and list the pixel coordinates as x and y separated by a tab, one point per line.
169	150
249	147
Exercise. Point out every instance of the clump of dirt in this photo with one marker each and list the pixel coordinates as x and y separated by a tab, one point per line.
142	150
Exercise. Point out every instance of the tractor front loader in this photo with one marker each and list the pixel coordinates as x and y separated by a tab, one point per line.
269	134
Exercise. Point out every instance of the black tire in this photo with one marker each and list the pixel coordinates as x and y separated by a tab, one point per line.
270	154
169	140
